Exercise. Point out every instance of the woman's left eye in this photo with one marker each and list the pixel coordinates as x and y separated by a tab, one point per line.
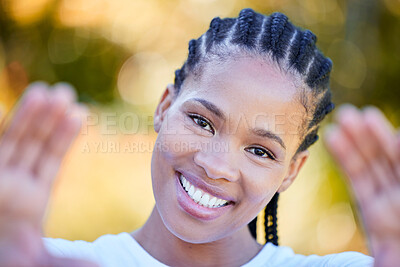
260	152
203	123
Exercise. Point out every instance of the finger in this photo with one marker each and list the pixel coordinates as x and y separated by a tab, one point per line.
383	214
48	164
398	142
383	133
353	165
21	109
30	106
382	129
382	172
31	145
31	89
67	90
352	122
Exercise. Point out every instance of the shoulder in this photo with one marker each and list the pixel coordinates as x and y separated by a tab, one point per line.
272	255
107	250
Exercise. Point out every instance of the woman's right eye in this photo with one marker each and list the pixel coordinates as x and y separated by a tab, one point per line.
202	122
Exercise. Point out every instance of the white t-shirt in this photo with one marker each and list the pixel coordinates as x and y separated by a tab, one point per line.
123	250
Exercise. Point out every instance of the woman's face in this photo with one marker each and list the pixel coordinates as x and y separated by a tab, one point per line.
224	147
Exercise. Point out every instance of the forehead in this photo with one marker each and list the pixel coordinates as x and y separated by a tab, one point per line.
250	88
249	84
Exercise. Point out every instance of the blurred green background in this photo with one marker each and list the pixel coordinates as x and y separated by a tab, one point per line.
121	54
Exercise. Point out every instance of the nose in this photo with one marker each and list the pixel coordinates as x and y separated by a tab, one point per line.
218	165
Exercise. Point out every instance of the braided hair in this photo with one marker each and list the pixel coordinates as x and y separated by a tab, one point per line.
292	49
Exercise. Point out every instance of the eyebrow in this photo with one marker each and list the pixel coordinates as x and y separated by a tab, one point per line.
269	134
257	131
211	107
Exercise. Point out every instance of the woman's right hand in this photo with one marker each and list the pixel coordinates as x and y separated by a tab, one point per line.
31	150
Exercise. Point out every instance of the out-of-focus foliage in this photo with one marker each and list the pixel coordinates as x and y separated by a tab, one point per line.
36	46
86	43
120	55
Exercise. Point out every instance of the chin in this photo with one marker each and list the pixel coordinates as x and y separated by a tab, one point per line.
182	217
183	230
186	227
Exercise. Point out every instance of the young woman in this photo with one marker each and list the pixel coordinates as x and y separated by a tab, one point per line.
233	132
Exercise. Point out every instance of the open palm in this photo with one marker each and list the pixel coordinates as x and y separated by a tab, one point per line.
31	151
365	145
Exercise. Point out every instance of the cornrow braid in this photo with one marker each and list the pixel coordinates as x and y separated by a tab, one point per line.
248	25
193	56
305	52
253	228
275	38
293	49
270	222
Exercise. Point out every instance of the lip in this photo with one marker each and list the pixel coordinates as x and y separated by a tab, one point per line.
195	210
207	188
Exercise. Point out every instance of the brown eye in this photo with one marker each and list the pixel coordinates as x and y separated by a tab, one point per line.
202	122
260	152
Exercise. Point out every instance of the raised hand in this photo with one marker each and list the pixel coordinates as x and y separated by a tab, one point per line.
365	145
31	151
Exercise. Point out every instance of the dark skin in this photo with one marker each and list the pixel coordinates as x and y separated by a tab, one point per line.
40	126
365	145
248	178
362	142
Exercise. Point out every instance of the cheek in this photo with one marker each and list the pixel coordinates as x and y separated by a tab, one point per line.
169	141
178	140
262	184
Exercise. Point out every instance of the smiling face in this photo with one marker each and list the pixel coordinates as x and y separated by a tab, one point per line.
231	135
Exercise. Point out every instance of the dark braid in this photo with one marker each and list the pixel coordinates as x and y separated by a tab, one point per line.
274	39
248	26
193	56
253	228
270	220
295	52
305	52
219	30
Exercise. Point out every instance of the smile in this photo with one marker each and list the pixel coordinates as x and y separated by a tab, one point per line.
200	197
204	204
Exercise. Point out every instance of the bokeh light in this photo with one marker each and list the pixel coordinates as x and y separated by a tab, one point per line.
121	54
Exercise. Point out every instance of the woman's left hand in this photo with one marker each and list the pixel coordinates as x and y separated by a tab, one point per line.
364	143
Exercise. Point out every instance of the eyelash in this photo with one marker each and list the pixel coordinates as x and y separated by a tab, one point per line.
265	151
195	117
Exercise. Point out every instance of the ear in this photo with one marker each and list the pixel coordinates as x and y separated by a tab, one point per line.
163	106
295	166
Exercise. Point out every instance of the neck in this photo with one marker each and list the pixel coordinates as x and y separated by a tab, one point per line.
234	250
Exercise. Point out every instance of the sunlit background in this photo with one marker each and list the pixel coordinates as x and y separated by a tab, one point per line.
120	55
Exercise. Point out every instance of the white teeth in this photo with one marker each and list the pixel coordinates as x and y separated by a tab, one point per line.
204	200
200	197
191	191
197	196
212	202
